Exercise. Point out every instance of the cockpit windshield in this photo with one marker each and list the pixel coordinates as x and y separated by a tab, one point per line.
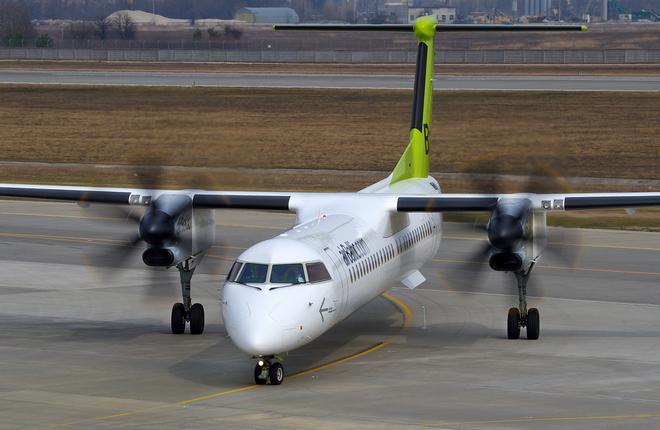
233	273
253	273
287	274
317	272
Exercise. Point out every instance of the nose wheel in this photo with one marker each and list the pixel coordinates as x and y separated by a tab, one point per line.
265	372
522	317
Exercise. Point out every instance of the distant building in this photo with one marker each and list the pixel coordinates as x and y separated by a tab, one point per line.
537	7
444	15
267	15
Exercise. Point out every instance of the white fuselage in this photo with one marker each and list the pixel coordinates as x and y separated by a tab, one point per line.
365	251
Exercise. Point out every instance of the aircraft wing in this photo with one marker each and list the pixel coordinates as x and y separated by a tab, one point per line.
541	202
295	201
142	197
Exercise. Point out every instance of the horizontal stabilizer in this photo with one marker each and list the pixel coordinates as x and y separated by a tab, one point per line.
413	280
441	28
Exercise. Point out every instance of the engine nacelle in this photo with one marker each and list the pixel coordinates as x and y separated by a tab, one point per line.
507	226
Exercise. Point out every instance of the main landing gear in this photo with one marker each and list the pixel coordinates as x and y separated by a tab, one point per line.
187	312
267	369
521	316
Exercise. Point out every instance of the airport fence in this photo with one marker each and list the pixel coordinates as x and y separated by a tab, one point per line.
491	56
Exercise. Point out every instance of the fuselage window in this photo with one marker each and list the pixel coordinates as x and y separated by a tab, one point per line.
317	272
233	272
253	273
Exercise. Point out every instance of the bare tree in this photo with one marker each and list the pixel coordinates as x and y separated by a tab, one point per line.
15	21
124	26
101	27
81	30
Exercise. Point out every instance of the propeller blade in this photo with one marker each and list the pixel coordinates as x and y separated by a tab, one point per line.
474	266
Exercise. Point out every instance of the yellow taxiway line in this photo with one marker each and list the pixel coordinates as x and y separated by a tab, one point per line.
407	317
405	310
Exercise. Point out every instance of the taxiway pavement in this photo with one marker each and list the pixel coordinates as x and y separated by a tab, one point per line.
84	345
345	81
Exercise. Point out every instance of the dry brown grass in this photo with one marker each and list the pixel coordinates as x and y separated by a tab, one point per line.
579	134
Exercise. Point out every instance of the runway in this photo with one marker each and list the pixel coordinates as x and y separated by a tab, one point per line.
83	347
343	81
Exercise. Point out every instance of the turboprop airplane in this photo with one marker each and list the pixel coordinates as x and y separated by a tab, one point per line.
346	248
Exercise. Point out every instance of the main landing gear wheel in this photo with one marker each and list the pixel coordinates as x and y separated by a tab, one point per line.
513	324
186	311
533	324
178	318
521	316
197	319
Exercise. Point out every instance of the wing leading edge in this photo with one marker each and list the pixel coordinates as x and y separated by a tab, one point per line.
295	201
540	202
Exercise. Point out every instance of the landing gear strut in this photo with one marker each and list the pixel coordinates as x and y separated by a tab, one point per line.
268	370
521	316
186	311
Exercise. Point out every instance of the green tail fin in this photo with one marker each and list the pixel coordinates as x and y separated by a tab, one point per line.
414	162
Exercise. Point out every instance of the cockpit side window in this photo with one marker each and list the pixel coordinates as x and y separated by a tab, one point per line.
233	272
287	274
253	273
317	272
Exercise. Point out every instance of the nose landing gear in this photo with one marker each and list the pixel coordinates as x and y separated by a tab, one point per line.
265	371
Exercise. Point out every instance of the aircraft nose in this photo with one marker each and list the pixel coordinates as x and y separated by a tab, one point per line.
259	341
248	322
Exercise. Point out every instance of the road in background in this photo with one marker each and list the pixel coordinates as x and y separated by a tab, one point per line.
83	346
346	81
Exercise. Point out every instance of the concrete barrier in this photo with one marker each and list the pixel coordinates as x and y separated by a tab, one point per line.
491	56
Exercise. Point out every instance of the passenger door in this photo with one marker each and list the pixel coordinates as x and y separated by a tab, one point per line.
339	274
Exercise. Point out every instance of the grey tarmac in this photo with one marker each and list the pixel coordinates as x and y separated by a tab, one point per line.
84	346
344	81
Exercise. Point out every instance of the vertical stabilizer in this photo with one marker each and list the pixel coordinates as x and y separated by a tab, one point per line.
414	162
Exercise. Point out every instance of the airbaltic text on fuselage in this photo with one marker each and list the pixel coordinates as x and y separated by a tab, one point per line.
352	252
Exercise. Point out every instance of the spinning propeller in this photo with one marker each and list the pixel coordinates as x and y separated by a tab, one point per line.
515	235
161	231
